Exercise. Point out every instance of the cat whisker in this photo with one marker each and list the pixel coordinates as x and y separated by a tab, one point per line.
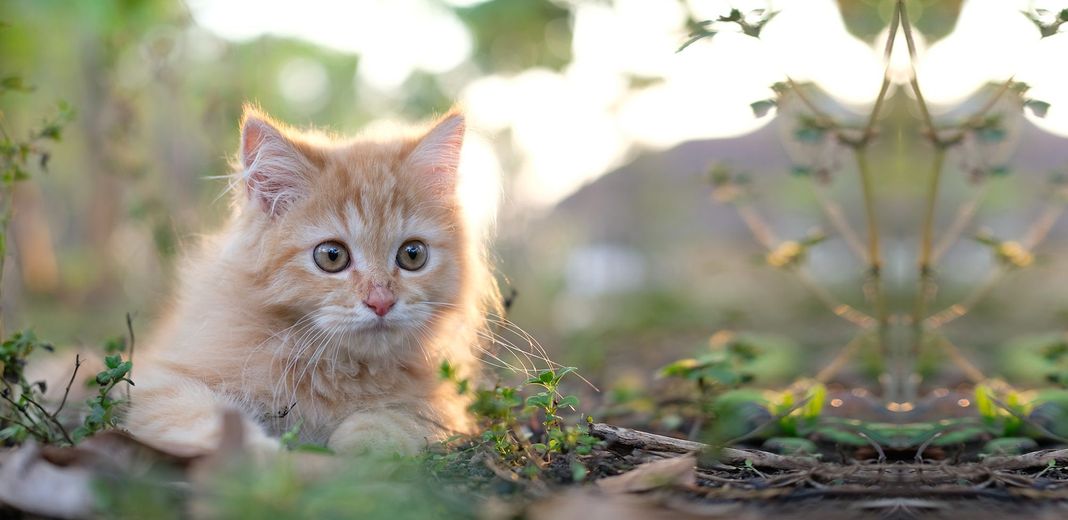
284	332
540	353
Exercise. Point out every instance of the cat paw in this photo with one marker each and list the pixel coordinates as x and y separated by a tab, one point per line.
371	433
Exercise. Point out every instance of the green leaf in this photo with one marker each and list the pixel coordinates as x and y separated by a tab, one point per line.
541	400
1038	108
990	134
1009	446
15	83
840	436
578	471
984	404
762	107
546	377
680	368
790	446
962	436
563	371
809	134
568	401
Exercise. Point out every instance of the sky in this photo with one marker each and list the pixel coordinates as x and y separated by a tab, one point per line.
566	128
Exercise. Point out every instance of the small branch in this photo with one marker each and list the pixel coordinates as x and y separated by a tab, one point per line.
1039	230
978	116
760	229
840	309
965	306
925	113
616	435
837	219
844	355
133	342
1034	236
970	370
1036	459
925	284
775	419
964	216
873	119
763	234
66	393
1027	420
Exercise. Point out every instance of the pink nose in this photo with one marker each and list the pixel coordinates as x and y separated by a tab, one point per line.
380	300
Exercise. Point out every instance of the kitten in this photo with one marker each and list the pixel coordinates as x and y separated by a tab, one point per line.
346	275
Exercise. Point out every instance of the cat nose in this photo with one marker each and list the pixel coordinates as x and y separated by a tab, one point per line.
380	300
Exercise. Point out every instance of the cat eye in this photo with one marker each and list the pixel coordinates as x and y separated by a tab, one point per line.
331	256
412	255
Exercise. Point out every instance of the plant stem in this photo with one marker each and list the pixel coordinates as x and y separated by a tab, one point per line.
838	220
970	370
964	216
925	113
844	355
873	119
875	262
763	234
1033	237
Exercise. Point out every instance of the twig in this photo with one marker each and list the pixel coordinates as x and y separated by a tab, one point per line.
970	370
653	442
923	447
878	449
1039	230
1027	460
773	420
926	275
763	234
133	342
828	372
874	255
965	306
1027	420
840	309
760	229
869	129
925	113
965	214
978	116
66	393
837	219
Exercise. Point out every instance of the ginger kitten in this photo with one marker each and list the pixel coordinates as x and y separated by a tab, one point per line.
346	275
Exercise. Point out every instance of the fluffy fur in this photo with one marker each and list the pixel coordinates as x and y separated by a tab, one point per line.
259	328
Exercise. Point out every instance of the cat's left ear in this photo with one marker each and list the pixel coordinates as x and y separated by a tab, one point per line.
437	155
276	172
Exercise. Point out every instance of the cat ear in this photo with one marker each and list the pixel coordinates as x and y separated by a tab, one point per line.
275	171
437	154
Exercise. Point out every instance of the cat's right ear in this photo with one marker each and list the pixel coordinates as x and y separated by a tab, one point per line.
274	170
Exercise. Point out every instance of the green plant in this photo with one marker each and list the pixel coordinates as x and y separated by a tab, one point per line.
21	413
18	154
504	415
102	406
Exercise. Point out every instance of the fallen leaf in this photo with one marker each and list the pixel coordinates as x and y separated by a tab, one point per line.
676	471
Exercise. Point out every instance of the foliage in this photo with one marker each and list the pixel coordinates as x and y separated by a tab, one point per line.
747	23
102	406
22	415
17	154
506	416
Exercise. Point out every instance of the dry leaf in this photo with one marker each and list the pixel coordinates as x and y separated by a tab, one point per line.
676	471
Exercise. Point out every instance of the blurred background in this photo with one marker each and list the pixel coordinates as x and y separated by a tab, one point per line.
595	133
